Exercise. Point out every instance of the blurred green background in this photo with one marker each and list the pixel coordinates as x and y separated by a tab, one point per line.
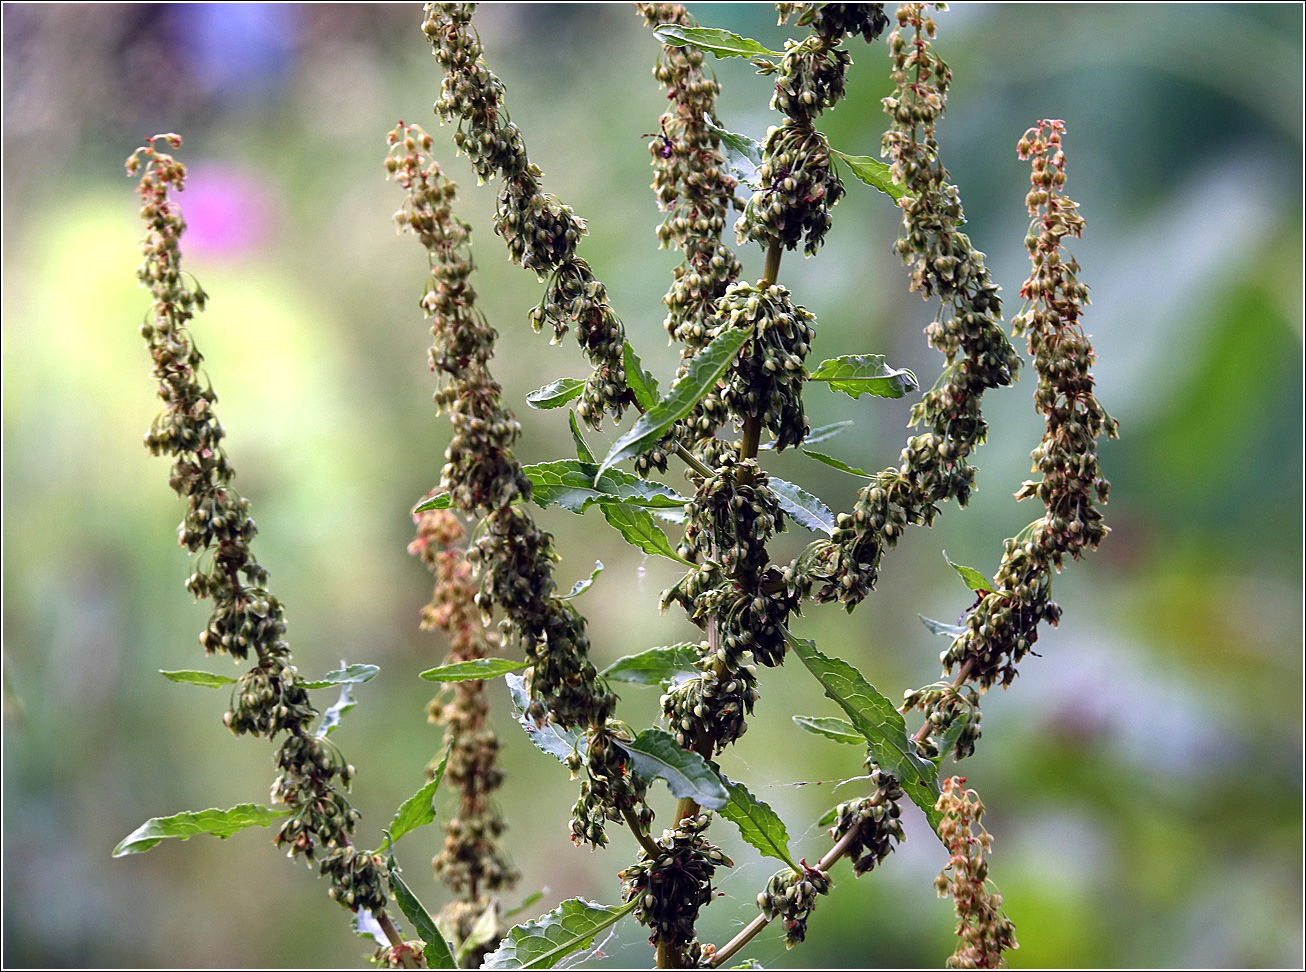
1143	776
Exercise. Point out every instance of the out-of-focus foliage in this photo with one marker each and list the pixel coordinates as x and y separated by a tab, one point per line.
1142	778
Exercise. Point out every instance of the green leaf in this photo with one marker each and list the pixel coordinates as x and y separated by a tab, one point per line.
950	736
582	450
743	154
879	722
585	583
526	902
483	932
973	578
206	679
758	823
441	502
657	755
437	952
819	434
805	509
722	43
576	485
643	384
836	729
864	374
556	393
838	464
874	173
655	666
332	716
705	368
637	526
419	809
353	675
942	627
549	738
477	669
828	818
542	943
183	826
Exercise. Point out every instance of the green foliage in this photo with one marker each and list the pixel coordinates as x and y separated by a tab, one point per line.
655	666
437	951
758	824
637	527
722	43
873	172
419	809
585	583
806	509
831	728
477	669
544	942
204	679
183	826
864	374
658	756
559	743
973	578
556	393
353	675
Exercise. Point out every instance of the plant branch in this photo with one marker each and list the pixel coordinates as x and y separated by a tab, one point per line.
388	926
645	841
957	682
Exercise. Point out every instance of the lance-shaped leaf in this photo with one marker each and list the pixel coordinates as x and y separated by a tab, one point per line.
576	486
441	501
705	369
838	464
758	823
720	42
585	583
331	717
205	679
437	951
549	738
874	173
477	669
637	526
527	901
973	578
582	449
882	725
556	393
743	154
805	509
419	809
353	675
643	384
183	826
864	374
831	728
942	627
657	755
543	943
655	666
819	434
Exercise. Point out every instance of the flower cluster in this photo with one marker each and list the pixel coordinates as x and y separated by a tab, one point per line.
985	932
1004	625
792	896
799	184
246	617
541	233
513	556
613	790
472	861
674	885
967	330
872	821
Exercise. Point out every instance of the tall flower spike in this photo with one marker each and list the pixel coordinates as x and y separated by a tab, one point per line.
472	862
967	330
513	557
1004	626
985	932
269	698
541	233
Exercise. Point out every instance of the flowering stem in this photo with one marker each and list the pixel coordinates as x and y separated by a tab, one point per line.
641	835
957	682
754	927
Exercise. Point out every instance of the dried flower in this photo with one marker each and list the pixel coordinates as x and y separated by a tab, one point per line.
985	932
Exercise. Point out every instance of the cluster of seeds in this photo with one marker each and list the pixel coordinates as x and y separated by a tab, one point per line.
541	233
766	382
967	330
674	885
792	896
246	617
799	184
953	714
835	19
612	791
873	822
985	932
472	861
513	556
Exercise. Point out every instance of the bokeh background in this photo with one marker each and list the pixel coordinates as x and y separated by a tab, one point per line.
1142	777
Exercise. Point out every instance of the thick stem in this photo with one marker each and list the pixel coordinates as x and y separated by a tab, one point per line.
388	926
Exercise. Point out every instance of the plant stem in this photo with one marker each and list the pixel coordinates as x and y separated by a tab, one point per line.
693	462
388	926
645	841
754	927
924	730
